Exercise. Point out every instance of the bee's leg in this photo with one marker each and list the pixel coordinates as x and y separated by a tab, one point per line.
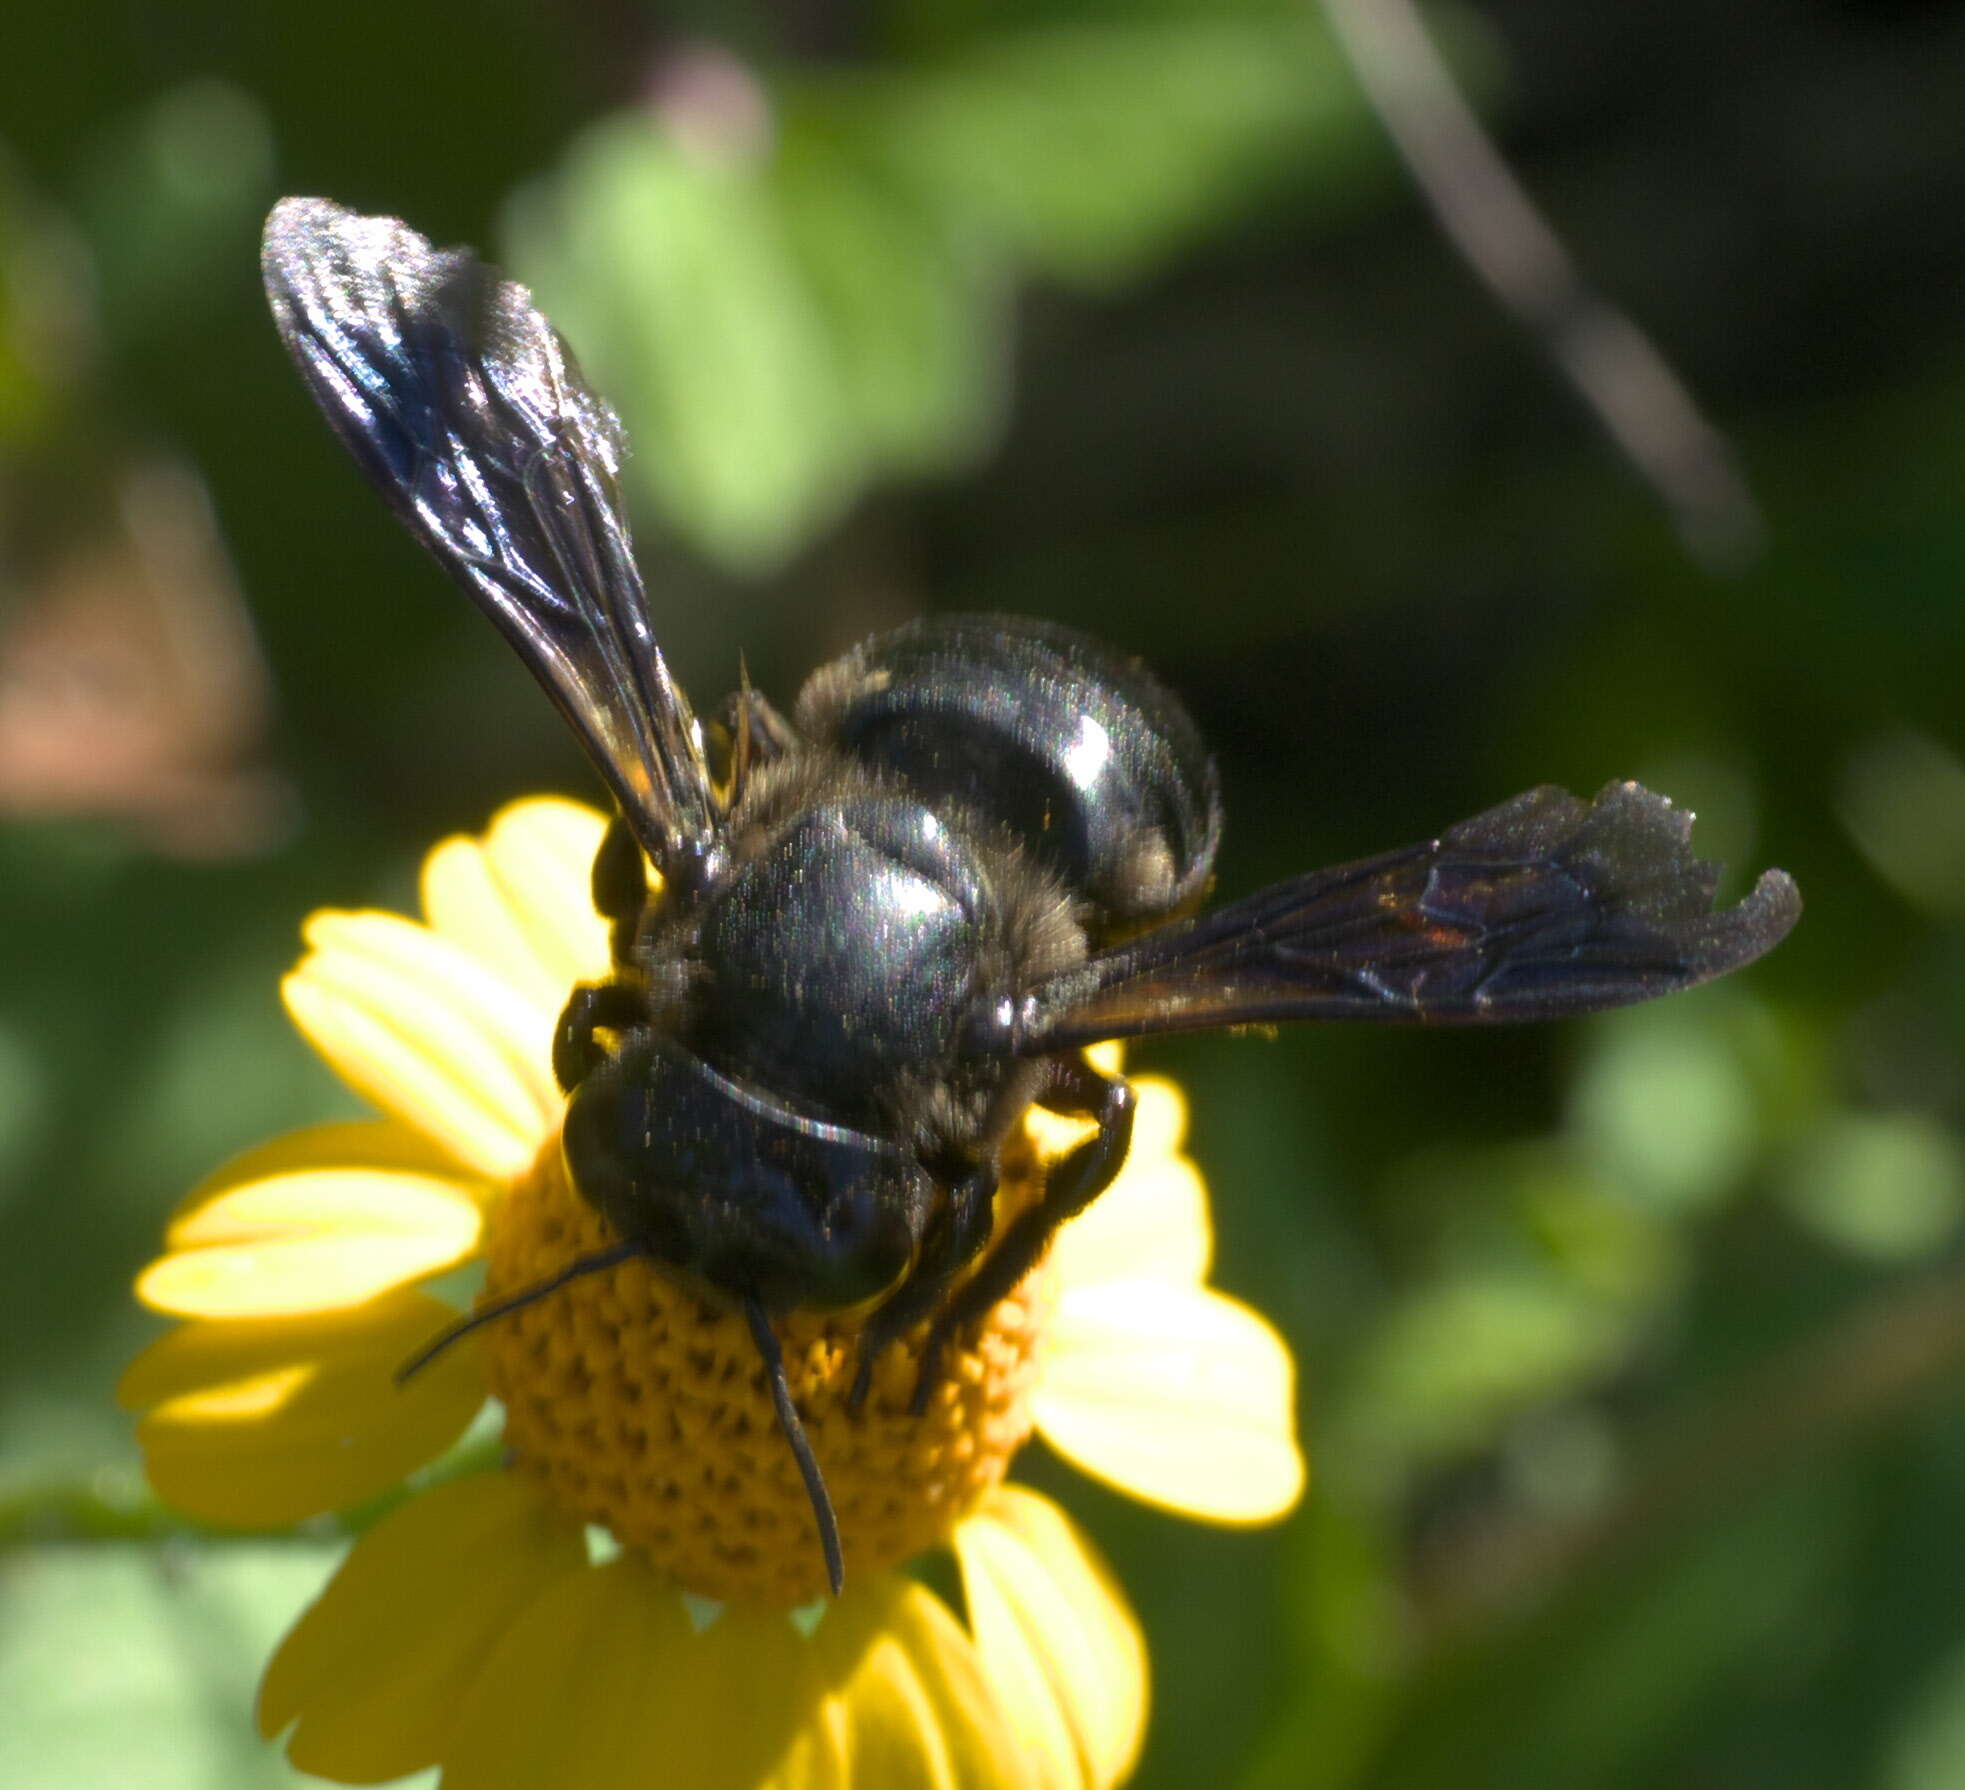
620	886
594	1006
949	1248
1077	1090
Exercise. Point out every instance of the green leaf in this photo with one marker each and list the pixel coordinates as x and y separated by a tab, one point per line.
136	1666
1448	1368
1614	1684
1928	1751
171	197
1679	1059
788	318
674	276
1095	151
916	311
1888	1187
46	319
778	330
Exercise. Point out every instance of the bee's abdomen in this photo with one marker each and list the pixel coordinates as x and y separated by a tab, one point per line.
1076	752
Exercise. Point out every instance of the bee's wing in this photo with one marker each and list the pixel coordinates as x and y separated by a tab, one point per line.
463	405
1546	905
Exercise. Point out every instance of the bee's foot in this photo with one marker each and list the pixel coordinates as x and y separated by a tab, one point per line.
930	1375
856	1396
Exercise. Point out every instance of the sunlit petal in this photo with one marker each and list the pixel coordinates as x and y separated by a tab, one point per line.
384	1144
310	1241
416	1026
518	901
1178	1395
603	1680
541	854
375	1671
923	1711
897	1733
588	1686
466	908
258	1423
1057	1640
1152	1222
820	1757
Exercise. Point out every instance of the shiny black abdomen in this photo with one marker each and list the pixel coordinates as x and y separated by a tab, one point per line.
1077	751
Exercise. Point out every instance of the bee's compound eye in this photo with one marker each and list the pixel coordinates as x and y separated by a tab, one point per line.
610	1152
871	1232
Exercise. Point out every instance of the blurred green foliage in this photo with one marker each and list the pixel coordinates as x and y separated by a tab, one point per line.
1631	1350
799	291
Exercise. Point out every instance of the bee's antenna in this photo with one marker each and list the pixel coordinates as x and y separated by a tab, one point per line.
580	1266
801	1447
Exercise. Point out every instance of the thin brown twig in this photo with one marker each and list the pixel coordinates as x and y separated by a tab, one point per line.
1641	403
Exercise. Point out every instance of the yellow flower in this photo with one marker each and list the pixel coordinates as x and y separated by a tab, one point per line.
627	1595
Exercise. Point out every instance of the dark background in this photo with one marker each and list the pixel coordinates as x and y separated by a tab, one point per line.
1630	1349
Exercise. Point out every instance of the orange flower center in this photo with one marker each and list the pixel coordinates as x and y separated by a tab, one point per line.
640	1404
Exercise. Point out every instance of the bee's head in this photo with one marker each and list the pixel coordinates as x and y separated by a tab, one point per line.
720	1179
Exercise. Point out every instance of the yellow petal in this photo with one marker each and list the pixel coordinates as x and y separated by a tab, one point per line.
1160	1124
603	1681
1178	1395
363	1143
519	899
1150	1224
541	853
581	1690
315	1240
1054	1134
467	908
375	1671
923	1711
897	1730
258	1423
414	1025
820	1757
1057	1640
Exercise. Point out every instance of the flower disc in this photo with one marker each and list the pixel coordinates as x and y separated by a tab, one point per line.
640	1403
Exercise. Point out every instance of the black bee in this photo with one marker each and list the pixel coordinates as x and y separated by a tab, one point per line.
887	926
